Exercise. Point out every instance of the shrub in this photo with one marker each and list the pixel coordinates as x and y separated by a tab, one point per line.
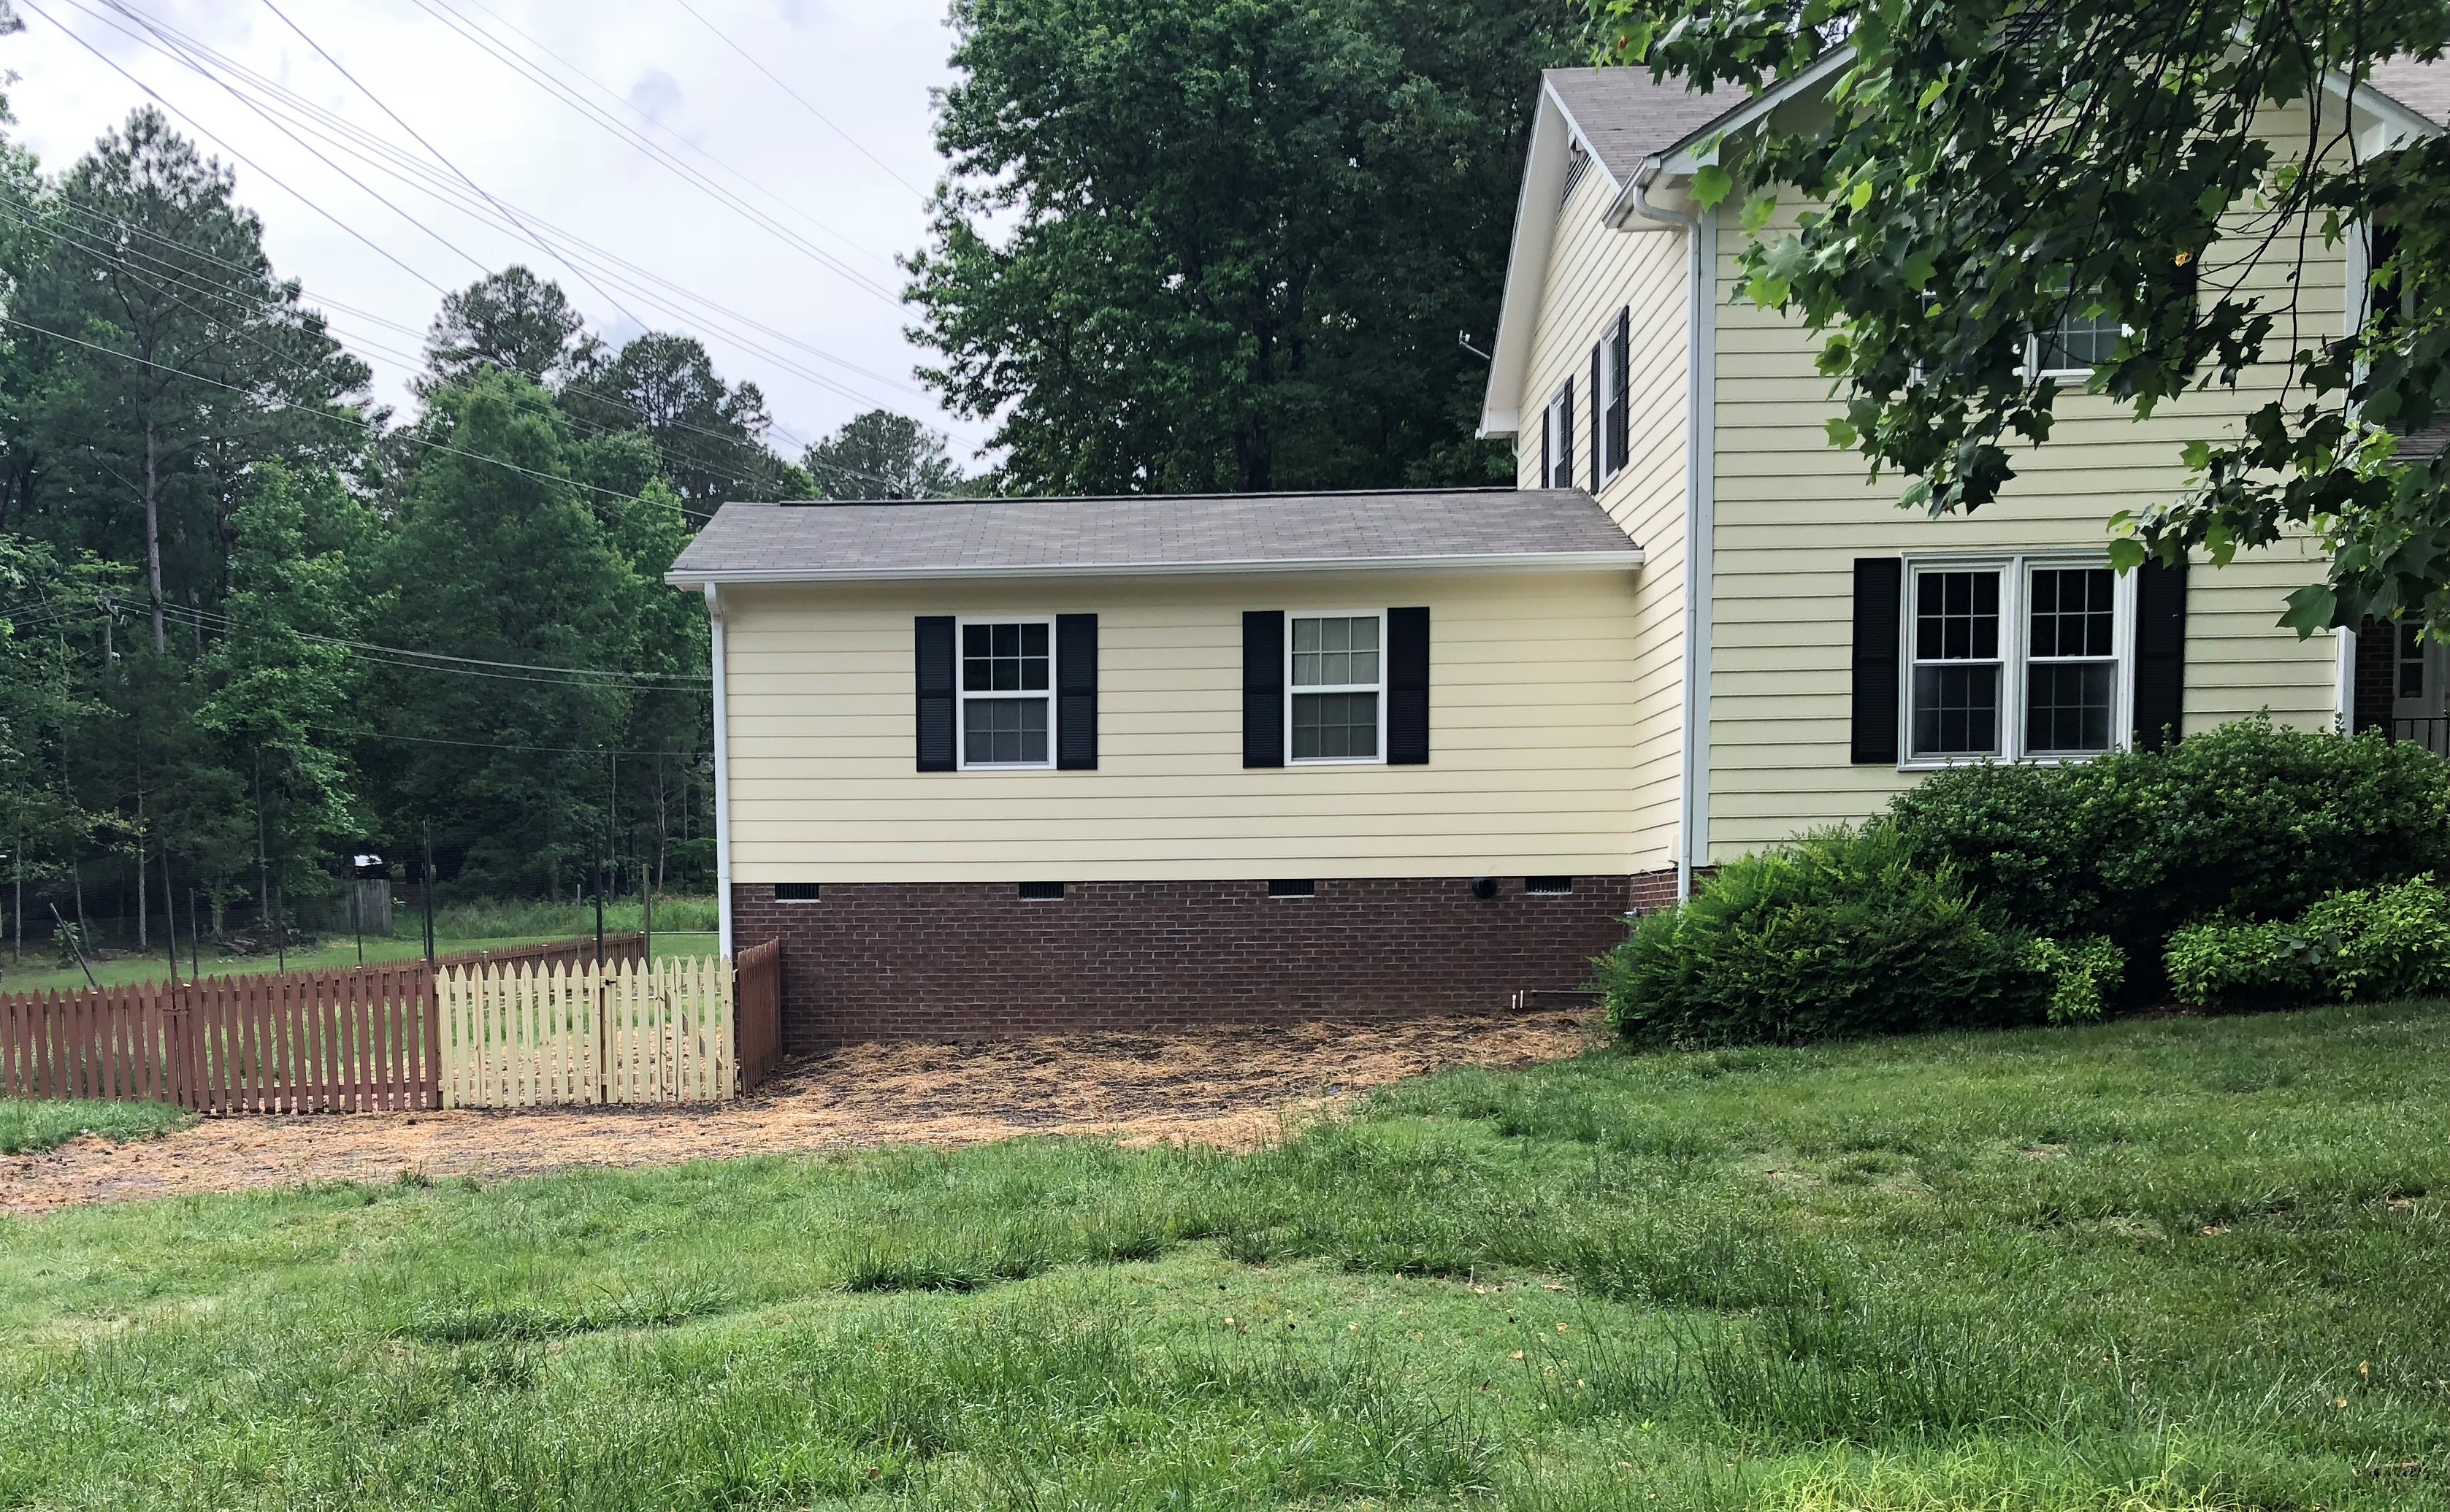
2250	820
2082	978
1837	934
2368	942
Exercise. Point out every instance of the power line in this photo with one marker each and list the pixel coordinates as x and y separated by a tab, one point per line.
420	138
795	95
562	93
471	661
378	250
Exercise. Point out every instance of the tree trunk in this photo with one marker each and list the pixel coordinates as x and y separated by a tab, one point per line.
153	530
144	937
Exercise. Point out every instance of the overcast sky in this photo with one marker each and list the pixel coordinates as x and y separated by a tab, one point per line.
827	205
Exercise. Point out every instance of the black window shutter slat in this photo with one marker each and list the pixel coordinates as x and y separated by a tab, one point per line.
1263	687
1599	421
1076	693
1880	593
1407	687
1548	464
2160	653
934	638
1564	475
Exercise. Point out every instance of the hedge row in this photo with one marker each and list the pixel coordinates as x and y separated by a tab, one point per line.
1997	893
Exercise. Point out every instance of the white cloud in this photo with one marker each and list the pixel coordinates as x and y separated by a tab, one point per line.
795	245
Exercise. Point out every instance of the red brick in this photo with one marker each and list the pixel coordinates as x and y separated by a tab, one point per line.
958	960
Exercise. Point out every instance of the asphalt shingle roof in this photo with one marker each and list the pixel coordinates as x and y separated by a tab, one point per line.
1626	116
1204	533
2423	87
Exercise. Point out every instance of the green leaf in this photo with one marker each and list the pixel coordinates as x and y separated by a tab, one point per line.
2127	554
1933	93
1843	433
1711	185
2310	609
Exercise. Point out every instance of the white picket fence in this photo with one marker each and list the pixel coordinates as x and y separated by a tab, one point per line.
524	1035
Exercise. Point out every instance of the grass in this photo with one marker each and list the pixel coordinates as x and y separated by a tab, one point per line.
2144	1267
683	926
26	1127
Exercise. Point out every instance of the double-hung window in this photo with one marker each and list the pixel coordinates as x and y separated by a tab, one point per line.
2021	657
1557	439
1335	688
1007	692
1612	419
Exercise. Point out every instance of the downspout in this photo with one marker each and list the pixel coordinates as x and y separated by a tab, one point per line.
722	777
1701	479
2360	296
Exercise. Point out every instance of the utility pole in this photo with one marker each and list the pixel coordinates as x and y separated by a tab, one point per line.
169	919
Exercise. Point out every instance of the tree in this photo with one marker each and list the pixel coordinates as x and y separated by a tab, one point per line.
1986	167
504	578
515	321
1228	244
164	361
882	455
710	436
286	691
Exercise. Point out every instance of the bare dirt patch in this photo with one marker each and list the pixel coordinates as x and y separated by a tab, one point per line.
1234	1088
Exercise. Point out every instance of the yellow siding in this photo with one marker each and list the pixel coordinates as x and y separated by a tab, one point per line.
1594	272
1531	700
1793	511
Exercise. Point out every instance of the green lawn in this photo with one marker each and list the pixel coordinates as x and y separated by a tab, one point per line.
683	926
32	1126
2139	1267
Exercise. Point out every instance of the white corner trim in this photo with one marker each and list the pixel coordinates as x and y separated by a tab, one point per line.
721	776
1600	561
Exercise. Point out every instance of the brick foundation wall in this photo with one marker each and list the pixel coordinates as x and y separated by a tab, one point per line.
954	960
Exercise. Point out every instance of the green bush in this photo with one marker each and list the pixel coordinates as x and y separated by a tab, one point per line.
1837	934
2368	942
2250	820
2082	978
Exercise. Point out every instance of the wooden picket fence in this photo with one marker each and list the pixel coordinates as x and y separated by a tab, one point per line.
631	1032
483	1035
308	1042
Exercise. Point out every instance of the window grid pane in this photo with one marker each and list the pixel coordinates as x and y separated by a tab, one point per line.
1957	674
1004	658
2071	676
2411	661
2080	342
1955	710
1003	731
1336	653
1327	726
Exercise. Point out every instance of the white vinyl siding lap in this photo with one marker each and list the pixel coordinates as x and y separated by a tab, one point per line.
1532	692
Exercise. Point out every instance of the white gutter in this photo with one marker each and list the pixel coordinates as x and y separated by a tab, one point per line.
1700	517
1625	559
722	777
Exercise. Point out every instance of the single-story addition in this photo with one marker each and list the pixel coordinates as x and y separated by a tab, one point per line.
992	767
1036	763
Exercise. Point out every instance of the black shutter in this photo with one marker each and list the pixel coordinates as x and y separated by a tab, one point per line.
1548	464
1599	421
1076	693
1407	687
2160	653
1564	475
1880	588
934	636
1263	687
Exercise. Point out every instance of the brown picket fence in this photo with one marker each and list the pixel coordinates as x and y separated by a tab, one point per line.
757	998
373	1038
344	1041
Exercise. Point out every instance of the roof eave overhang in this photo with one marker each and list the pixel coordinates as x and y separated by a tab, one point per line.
1625	561
2398	125
1536	209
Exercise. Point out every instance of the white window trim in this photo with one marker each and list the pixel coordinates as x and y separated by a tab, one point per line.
2032	369
2016	572
1608	375
962	696
1379	687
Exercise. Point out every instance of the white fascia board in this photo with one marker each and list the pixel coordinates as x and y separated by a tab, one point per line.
1507	562
1701	148
2399	124
1537	208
